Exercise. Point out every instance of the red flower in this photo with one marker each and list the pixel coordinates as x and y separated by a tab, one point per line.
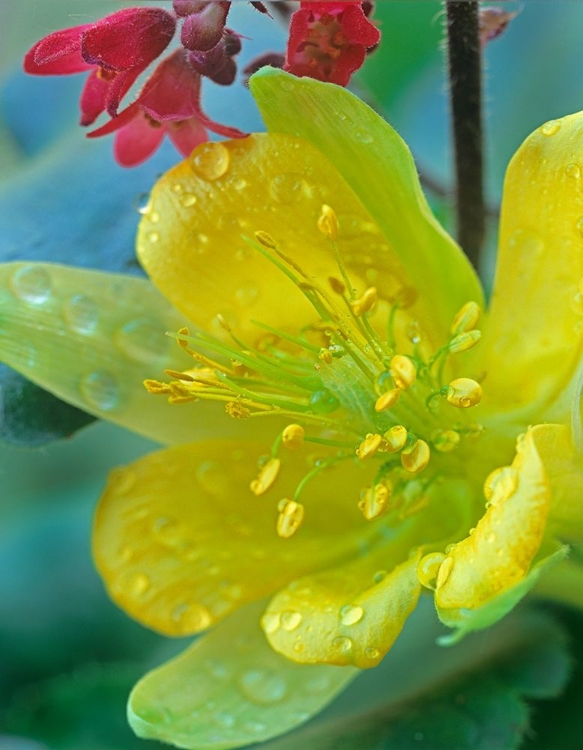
115	49
329	40
168	104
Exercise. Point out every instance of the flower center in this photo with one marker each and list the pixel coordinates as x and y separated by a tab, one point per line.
358	382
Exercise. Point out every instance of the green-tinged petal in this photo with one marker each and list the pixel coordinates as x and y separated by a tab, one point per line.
344	615
231	689
181	540
378	166
532	340
195	240
92	338
497	556
466	620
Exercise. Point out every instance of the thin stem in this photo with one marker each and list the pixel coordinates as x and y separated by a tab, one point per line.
465	82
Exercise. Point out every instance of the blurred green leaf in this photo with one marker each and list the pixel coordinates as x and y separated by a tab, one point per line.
480	707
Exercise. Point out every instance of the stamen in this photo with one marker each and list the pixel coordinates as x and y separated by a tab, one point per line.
466	319
369	446
289	520
266	477
387	400
462	393
293	437
414	458
374	500
403	371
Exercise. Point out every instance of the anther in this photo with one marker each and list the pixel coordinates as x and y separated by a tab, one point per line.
373	500
236	410
403	371
265	239
395	439
328	222
462	393
365	303
369	446
266	477
466	319
464	341
293	437
414	458
445	441
289	520
387	400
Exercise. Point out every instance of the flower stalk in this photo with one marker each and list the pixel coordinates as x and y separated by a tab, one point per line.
465	85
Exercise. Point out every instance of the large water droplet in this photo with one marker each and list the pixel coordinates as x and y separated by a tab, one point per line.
263	687
142	340
288	187
81	313
350	615
100	390
211	161
290	620
550	128
31	284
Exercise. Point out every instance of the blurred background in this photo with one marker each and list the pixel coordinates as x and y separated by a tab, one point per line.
68	656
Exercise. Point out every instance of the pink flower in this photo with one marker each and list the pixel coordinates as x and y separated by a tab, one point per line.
329	40
115	49
169	104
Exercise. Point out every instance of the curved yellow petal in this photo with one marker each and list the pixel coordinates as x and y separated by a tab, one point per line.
378	166
499	553
91	338
351	614
192	242
181	541
532	339
231	689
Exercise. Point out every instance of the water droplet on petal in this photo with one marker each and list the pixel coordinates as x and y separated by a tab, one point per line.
100	390
263	687
81	313
350	615
211	161
32	284
142	340
550	128
290	620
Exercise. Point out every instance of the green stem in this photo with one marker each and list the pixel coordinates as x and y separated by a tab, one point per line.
465	83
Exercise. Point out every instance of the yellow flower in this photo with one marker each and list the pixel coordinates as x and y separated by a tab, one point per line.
353	401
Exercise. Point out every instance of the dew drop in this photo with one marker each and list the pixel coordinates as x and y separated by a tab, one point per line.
270	622
82	314
32	284
263	687
142	340
100	390
550	128
350	615
288	187
290	620
187	200
342	643
211	161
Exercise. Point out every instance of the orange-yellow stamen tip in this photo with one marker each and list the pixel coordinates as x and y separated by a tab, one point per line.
328	222
293	437
403	371
387	400
266	477
369	446
289	520
416	457
463	393
365	303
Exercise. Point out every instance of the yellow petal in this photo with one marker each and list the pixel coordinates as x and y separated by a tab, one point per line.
532	338
500	551
270	188
91	338
181	541
231	689
378	166
348	615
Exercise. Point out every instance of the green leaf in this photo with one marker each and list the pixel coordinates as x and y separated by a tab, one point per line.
480	707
